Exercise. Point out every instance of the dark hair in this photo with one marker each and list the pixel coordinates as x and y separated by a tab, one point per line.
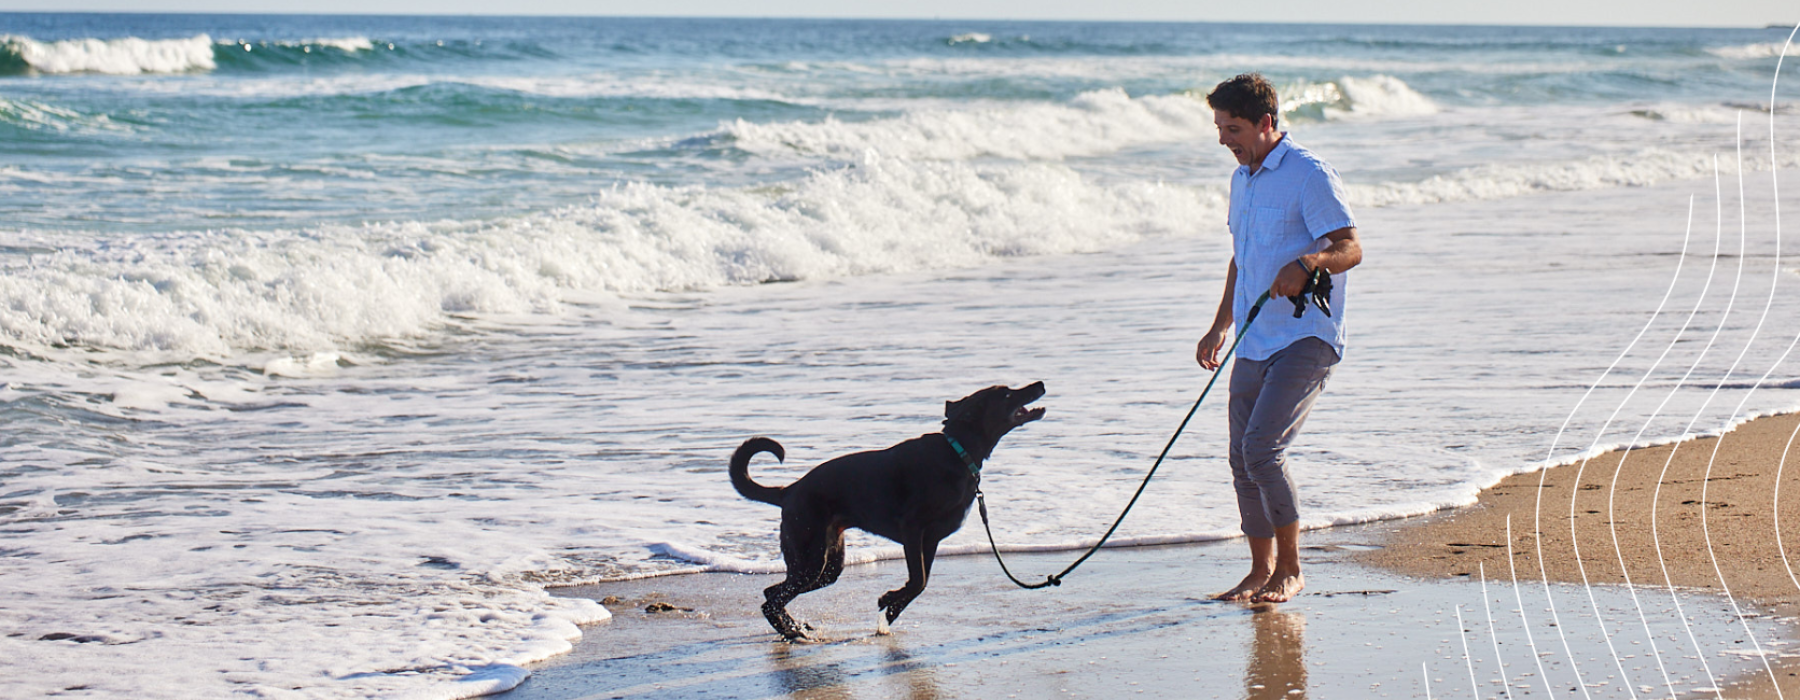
1248	97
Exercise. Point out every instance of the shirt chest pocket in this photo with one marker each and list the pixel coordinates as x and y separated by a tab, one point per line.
1268	221
1266	234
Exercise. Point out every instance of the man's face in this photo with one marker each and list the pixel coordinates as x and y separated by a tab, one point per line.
1249	141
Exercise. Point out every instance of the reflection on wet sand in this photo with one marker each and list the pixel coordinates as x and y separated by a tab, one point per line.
920	681
809	673
804	678
1277	667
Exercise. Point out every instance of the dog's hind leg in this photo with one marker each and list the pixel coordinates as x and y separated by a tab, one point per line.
919	555
834	562
815	557
774	609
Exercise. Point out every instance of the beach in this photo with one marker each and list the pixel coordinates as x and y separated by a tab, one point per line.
1134	622
1391	608
339	353
1714	514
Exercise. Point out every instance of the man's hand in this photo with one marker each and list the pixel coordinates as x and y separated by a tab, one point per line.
1290	281
1207	354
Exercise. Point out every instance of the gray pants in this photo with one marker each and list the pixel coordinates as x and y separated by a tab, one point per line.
1269	401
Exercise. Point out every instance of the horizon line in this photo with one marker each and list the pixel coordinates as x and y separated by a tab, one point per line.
834	18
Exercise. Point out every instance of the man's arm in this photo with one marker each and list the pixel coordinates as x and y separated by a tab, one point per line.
1344	252
1207	354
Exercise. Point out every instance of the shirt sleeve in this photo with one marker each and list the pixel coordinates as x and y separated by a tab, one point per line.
1323	203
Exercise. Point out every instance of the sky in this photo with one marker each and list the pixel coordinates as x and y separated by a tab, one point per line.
1692	13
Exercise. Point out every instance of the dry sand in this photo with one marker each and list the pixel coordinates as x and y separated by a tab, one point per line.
1668	515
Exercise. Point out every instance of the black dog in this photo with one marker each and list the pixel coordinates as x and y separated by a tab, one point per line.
915	493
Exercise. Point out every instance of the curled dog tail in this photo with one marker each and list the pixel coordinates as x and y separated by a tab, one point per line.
740	469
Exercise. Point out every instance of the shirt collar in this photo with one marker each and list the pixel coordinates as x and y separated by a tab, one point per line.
1272	159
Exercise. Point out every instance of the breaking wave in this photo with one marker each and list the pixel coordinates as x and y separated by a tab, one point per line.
127	56
199	53
1771	49
1639	169
334	287
30	115
1093	123
1354	98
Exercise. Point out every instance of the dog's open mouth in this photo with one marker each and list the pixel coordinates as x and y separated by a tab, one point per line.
1025	414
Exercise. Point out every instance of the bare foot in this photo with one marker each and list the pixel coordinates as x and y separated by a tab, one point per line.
1245	588
1280	589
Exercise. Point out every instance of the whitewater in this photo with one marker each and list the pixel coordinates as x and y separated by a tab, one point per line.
327	343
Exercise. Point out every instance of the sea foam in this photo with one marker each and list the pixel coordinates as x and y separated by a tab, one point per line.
332	287
1375	96
351	44
1636	169
127	56
1092	123
1771	49
37	116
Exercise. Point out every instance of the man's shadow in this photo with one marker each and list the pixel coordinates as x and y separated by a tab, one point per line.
1277	655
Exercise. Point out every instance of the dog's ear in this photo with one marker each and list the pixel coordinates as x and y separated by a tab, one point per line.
950	408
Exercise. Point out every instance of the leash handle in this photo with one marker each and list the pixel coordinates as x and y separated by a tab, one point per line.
1056	580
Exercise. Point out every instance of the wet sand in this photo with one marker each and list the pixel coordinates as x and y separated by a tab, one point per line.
1673	515
1133	622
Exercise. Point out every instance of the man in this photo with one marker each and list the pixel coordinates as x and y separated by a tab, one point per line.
1288	218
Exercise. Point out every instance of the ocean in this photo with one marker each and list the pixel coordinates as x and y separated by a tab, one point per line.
328	342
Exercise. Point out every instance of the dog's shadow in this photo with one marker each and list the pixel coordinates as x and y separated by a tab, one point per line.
809	671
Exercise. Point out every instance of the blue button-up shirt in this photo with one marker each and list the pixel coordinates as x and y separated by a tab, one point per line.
1278	214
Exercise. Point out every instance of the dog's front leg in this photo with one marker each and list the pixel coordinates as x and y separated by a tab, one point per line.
919	555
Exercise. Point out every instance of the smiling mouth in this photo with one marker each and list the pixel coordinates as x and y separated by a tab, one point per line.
1026	415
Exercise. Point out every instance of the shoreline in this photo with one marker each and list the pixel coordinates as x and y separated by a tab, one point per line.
1712	514
1135	620
1653	451
1381	598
